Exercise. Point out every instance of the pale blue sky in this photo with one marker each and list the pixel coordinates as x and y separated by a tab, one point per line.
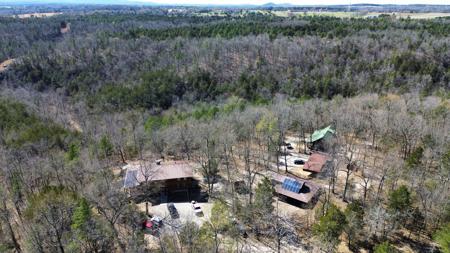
299	2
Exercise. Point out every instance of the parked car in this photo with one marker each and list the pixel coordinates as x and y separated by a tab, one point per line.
173	211
157	220
299	162
197	208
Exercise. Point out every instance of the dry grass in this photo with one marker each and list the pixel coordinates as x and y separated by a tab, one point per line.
38	15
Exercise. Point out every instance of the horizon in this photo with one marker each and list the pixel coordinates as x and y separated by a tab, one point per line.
230	2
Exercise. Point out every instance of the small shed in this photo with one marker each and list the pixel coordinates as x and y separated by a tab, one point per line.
316	162
319	138
295	188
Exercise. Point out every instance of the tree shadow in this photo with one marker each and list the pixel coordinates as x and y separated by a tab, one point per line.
419	245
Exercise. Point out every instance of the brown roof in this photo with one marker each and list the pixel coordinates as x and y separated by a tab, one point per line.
138	172
307	192
316	162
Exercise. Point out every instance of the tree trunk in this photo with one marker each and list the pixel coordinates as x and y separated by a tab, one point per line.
227	166
365	192
10	229
346	182
122	156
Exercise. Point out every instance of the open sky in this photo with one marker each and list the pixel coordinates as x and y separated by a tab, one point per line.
299	2
237	2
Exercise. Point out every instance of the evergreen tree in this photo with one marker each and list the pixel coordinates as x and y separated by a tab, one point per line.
385	247
354	216
264	197
330	227
442	237
73	152
81	215
414	159
105	146
400	203
220	216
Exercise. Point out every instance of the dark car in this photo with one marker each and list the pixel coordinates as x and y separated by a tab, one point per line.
173	211
299	162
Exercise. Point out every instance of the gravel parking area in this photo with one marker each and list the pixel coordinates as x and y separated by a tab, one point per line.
185	211
292	167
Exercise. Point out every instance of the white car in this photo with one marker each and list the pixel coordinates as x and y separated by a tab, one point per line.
197	208
157	219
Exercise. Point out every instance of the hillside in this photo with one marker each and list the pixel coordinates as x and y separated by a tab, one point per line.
209	129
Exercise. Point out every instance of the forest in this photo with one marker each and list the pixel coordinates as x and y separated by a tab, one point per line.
91	93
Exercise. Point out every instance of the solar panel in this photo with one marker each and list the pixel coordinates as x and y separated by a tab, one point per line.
131	179
292	185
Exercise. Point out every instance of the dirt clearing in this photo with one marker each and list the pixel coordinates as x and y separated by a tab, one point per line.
4	65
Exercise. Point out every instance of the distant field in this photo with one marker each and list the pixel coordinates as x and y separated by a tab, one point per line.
38	15
209	14
339	14
342	14
423	15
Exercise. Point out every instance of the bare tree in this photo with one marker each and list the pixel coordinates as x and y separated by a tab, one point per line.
7	218
208	155
148	170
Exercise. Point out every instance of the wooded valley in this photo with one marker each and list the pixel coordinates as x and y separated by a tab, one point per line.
101	107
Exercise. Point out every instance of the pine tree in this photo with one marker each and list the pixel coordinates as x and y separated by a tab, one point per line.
330	227
264	197
442	237
81	215
384	247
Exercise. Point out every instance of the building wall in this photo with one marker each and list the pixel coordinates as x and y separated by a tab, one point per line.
176	184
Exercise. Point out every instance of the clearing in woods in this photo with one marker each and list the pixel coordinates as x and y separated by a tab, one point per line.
4	65
38	15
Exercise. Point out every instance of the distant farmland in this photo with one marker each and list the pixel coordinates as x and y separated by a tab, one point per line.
343	14
38	15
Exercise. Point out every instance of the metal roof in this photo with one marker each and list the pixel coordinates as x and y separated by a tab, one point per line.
319	134
316	162
142	171
306	193
131	179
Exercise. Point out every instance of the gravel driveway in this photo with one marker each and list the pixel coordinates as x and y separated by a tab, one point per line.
185	212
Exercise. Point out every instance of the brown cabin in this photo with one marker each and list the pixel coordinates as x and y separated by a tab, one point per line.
171	179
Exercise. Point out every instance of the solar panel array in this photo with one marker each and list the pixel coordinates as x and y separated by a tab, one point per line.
292	185
131	179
